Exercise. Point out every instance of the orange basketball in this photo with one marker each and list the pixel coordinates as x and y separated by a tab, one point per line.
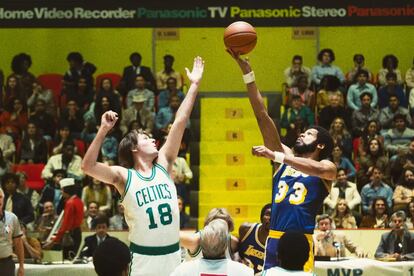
240	37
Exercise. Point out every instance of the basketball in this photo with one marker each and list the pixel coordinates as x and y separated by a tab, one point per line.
240	37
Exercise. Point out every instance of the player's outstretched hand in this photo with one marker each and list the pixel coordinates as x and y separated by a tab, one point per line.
243	63
108	120
262	151
197	73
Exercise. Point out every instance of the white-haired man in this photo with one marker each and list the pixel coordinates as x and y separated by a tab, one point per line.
214	241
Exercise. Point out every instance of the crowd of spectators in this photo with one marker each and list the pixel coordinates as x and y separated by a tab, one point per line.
39	127
369	116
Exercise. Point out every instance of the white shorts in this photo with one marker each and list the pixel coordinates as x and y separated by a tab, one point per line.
162	265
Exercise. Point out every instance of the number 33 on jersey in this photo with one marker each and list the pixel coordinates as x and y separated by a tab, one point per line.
297	198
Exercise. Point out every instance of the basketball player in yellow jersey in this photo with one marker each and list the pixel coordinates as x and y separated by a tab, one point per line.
149	194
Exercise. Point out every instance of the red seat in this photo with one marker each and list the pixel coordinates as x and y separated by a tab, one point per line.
33	173
80	145
114	77
54	83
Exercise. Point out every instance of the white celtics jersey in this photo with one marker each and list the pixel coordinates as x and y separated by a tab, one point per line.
151	212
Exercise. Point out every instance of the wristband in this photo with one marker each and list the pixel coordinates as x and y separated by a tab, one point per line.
279	157
249	77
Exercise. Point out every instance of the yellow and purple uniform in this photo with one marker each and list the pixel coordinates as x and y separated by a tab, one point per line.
296	199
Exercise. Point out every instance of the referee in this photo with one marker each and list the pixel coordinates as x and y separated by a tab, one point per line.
10	235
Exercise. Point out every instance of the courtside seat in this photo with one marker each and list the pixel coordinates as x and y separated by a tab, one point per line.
33	173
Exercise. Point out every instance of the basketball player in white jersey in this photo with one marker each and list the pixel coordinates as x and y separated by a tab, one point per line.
148	192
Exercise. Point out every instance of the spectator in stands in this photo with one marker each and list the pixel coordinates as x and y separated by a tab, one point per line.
52	192
375	189
366	113
11	237
341	136
399	242
389	65
117	221
11	91
100	225
102	105
166	94
342	216
141	90
33	146
404	190
297	70
5	164
325	67
387	114
15	121
97	192
371	130
28	192
301	88
72	220
20	66
391	89
7	146
329	86
359	64
106	89
342	161
184	217
292	134
398	138
402	160
165	116
83	94
409	79
16	202
342	189
46	220
72	116
91	213
332	243
41	94
78	68
139	113
164	75
112	258
293	253
32	248
181	174
355	91
62	136
252	240
130	73
297	110
67	160
44	121
214	238
410	215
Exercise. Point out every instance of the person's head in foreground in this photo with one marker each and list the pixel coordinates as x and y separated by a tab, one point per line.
111	258
314	141
214	239
293	251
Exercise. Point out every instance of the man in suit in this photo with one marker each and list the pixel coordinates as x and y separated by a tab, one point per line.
399	242
130	72
139	113
100	224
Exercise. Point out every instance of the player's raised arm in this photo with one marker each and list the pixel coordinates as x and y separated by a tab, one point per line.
324	169
114	175
168	153
267	127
